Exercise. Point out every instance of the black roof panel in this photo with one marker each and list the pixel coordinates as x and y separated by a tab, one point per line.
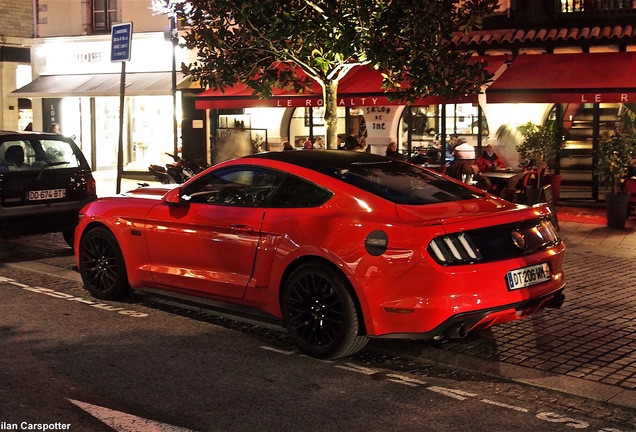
318	160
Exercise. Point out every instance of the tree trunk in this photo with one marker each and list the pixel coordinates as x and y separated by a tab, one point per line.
331	113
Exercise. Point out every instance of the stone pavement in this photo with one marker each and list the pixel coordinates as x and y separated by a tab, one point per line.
586	348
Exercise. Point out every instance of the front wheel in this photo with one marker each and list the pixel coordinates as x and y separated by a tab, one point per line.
320	314
101	265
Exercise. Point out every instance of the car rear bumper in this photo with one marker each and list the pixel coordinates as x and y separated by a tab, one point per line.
41	218
458	326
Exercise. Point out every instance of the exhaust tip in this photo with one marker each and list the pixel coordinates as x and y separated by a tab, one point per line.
458	330
557	301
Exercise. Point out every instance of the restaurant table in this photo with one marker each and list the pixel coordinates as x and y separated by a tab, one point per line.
503	174
504	181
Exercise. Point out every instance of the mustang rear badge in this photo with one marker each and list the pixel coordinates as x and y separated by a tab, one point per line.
519	240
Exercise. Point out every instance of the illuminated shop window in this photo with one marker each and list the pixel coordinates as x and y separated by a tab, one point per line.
307	122
425	123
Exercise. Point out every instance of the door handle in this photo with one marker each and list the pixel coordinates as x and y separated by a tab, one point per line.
241	229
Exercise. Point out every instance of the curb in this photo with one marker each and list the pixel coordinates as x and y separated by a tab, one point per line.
600	392
47	269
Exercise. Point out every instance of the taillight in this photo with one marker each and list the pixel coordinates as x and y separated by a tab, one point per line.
454	249
547	231
91	187
494	243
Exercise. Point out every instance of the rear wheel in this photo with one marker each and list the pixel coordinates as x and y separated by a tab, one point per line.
69	236
102	266
320	314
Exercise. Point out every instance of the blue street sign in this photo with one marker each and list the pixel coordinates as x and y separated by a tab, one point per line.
121	35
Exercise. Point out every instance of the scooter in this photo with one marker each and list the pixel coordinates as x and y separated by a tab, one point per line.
178	172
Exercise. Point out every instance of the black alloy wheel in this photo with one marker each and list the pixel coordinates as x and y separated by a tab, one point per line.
320	314
102	266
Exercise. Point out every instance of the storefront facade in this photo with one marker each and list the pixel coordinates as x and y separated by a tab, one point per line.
77	86
364	112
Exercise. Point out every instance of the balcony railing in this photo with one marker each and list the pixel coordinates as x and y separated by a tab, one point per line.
595	6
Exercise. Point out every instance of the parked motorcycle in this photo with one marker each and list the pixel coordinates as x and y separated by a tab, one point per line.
180	171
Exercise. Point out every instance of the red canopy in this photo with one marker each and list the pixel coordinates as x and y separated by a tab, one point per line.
362	86
567	78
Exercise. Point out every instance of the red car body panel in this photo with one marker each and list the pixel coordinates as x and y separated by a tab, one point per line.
241	255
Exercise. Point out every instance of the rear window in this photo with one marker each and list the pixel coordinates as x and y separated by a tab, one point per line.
33	154
401	182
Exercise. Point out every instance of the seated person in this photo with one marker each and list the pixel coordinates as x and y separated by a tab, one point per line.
450	147
489	161
464	159
392	151
14	156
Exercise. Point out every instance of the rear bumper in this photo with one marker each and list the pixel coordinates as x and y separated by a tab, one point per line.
41	218
458	326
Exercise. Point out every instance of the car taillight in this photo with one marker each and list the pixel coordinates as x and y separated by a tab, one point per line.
454	249
547	231
494	243
91	187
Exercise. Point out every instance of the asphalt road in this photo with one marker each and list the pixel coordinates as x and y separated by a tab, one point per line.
70	362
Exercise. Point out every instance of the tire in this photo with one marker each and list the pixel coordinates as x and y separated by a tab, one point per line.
102	266
69	237
320	314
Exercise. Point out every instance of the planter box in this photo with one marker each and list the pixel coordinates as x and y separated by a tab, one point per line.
616	206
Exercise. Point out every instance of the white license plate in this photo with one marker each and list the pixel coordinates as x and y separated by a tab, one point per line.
46	194
528	276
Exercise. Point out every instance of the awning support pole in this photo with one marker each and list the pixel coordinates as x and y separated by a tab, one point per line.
174	38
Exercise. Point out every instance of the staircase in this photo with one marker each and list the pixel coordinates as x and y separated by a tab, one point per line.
578	182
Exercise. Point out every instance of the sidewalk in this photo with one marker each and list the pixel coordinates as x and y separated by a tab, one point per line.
106	182
587	348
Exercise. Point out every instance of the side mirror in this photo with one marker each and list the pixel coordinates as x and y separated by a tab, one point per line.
173	197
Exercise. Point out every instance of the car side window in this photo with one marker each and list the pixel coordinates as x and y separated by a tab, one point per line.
235	186
295	192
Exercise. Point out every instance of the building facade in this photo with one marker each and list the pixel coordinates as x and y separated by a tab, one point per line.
572	63
568	62
72	81
578	54
16	32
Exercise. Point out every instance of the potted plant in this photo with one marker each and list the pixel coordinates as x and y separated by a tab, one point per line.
540	149
615	154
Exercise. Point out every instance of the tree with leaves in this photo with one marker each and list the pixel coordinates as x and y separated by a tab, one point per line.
273	43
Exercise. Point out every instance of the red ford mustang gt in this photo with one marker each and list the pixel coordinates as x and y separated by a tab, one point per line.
341	246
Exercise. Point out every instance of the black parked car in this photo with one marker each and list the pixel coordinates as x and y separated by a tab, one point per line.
44	182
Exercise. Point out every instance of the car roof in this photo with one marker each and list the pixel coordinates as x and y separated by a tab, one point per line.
5	133
319	160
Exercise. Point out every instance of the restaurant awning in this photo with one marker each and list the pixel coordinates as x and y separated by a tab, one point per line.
362	86
567	78
137	84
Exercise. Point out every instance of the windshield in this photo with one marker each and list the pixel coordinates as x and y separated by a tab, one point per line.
33	154
401	182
